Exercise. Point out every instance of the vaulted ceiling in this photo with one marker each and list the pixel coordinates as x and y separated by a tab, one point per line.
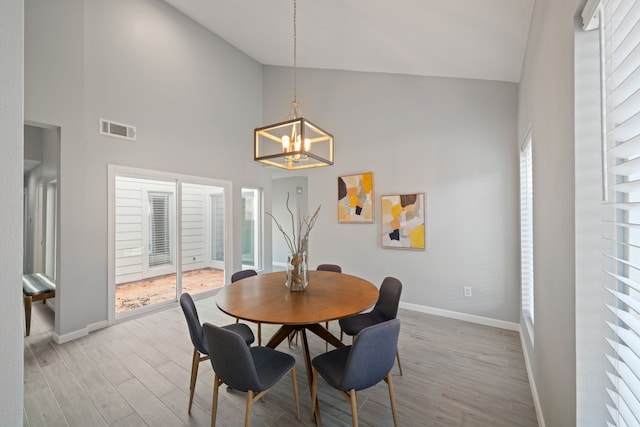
477	39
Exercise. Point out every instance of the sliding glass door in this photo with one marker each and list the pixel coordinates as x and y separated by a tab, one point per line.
145	242
203	243
167	237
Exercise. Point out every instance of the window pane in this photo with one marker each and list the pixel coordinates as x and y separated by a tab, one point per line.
159	229
251	228
202	238
526	230
145	242
217	227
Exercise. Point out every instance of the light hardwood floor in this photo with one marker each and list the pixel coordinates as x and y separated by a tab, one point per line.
137	374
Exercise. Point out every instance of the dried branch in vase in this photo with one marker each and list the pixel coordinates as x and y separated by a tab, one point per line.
299	239
298	242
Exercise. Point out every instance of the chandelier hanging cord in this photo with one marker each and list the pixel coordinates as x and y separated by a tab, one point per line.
295	105
294	143
295	50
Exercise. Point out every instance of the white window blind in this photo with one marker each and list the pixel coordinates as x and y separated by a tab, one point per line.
159	229
620	49
251	227
217	227
526	229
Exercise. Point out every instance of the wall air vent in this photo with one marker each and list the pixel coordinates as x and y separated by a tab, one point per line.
118	130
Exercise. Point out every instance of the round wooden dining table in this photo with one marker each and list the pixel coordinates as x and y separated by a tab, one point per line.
265	298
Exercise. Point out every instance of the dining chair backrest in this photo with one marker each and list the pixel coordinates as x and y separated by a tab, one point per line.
238	275
372	356
252	370
193	322
330	267
233	365
389	298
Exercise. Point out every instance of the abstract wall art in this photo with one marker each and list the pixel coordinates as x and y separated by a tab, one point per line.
355	198
403	221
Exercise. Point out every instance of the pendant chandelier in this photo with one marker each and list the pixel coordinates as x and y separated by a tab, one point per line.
295	143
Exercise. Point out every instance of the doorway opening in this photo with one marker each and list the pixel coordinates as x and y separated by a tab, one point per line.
41	216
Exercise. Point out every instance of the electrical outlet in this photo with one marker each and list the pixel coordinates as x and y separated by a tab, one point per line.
467	291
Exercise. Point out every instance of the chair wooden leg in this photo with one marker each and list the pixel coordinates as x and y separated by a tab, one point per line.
392	399
247	417
195	362
399	364
294	379
354	407
326	344
314	392
27	313
214	401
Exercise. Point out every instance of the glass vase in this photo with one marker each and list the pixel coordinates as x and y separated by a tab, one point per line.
297	272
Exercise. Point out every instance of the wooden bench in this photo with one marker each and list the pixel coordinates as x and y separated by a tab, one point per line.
36	287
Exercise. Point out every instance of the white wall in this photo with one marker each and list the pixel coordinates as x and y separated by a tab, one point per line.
298	202
11	129
54	95
546	104
455	140
193	98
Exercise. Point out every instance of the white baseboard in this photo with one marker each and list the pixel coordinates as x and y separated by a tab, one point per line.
532	383
98	325
462	316
79	333
61	339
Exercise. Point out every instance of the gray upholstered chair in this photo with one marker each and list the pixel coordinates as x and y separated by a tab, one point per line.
386	308
200	349
359	366
243	274
330	267
253	370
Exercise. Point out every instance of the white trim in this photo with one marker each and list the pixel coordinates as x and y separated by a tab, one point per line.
527	139
590	15
92	327
462	316
532	383
79	333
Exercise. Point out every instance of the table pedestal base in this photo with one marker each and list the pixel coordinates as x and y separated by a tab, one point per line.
316	328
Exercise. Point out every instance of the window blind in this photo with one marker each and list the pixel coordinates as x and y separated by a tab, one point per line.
159	229
217	227
526	229
620	49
